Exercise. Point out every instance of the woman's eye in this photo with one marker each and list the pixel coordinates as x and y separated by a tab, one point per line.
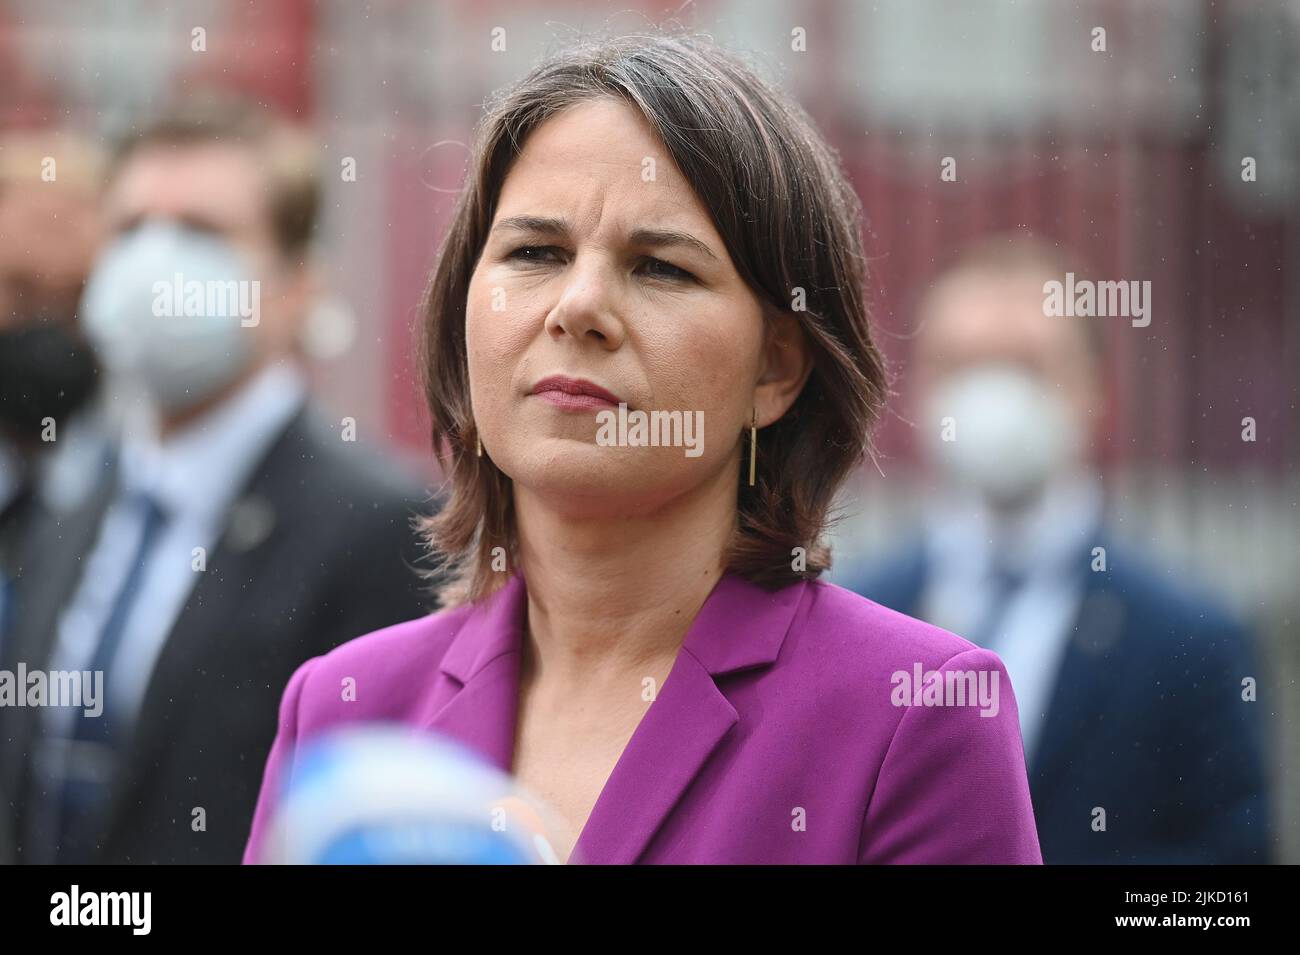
543	254
533	253
666	270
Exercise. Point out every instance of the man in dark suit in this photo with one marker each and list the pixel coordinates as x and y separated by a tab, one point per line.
234	534
49	438
1136	692
49	234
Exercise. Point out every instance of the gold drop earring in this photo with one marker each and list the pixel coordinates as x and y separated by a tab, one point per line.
478	440
753	443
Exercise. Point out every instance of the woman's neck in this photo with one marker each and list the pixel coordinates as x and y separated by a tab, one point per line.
606	595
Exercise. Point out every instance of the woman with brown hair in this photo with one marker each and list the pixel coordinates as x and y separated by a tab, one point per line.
651	237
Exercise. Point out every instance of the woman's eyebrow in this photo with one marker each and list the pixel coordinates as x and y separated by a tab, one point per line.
646	238
659	238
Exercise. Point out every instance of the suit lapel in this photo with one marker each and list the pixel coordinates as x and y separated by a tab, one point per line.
47	583
483	663
50	578
238	563
739	627
675	738
235	568
1083	683
210	613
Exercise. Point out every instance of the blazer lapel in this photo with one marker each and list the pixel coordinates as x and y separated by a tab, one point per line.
238	565
1084	680
676	736
740	627
483	661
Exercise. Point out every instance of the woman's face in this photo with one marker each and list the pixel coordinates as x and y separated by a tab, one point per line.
603	267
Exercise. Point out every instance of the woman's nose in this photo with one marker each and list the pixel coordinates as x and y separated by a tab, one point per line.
587	307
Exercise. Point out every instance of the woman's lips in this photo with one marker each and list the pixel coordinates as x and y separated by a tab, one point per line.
575	402
574	394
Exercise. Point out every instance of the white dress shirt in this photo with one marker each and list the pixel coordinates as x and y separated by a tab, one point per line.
1047	546
195	475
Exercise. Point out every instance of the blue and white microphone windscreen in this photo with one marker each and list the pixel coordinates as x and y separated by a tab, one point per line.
382	794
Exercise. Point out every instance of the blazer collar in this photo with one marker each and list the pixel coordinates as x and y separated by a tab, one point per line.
740	626
495	626
492	627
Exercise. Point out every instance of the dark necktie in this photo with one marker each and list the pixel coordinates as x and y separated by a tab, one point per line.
1005	581
93	747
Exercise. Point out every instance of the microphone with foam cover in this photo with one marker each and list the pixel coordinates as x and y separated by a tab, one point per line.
384	794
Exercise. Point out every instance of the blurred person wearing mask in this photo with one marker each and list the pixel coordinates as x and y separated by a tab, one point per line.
242	535
1129	685
49	232
51	448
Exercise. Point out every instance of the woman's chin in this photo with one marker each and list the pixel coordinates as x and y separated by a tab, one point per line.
590	481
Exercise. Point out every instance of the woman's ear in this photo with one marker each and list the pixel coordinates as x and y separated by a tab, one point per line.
785	367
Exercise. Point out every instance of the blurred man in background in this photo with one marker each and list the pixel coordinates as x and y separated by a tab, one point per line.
1140	746
51	451
49	233
241	533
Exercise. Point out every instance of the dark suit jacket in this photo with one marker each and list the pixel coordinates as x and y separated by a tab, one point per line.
1146	721
318	549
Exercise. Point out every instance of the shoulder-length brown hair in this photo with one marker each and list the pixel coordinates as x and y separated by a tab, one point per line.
791	224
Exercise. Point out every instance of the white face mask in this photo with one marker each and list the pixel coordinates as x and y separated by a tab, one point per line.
1010	433
161	309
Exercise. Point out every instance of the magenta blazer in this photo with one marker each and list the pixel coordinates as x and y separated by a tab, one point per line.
784	733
